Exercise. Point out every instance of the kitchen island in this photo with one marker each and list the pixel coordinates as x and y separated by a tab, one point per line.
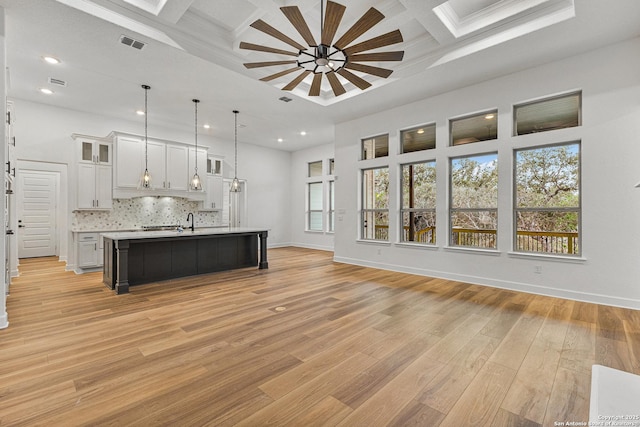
137	257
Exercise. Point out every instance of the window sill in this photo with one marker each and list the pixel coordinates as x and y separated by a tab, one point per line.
416	246
374	242
547	257
491	252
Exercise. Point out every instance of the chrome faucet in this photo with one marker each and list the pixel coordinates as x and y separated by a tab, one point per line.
190	215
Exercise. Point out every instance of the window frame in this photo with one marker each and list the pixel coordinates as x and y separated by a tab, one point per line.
453	210
415	128
372	211
517	209
374	138
515	107
408	210
485	113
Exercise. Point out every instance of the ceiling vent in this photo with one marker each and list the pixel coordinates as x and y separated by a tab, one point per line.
57	82
131	42
285	99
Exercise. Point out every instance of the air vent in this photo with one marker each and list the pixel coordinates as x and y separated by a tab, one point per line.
285	99
131	42
57	82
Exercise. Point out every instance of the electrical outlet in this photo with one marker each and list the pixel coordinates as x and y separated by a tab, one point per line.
537	269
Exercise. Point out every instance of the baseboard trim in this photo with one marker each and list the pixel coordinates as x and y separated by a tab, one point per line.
4	321
501	284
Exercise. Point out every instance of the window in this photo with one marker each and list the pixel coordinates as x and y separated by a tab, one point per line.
375	204
548	114
332	167
332	209
419	203
418	139
375	147
547	205
314	206
476	128
315	168
474	201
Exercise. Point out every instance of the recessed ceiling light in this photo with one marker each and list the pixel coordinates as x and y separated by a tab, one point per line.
280	140
489	116
51	59
303	133
46	91
140	113
207	126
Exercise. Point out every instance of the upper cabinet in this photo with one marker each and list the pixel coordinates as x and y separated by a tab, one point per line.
214	194
170	164
93	173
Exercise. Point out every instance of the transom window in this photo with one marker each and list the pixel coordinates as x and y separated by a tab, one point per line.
475	128
375	147
315	168
547	205
548	114
418	138
474	201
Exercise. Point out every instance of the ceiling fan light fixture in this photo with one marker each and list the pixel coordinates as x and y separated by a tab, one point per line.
328	58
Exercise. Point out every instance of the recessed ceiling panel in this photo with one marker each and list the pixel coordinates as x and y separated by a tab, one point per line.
228	13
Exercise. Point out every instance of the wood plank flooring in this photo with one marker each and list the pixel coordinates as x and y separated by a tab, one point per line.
308	342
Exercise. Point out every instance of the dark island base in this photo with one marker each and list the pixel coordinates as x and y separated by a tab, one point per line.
134	262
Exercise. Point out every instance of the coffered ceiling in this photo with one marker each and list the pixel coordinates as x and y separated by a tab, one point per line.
191	48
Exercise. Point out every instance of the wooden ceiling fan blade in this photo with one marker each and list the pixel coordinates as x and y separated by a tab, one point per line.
364	24
332	19
260	48
379	56
358	81
267	64
260	25
387	39
297	20
337	87
295	82
315	85
280	74
376	71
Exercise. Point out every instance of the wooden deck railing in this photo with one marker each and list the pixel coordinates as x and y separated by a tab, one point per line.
554	242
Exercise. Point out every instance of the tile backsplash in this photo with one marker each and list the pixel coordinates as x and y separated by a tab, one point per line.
128	214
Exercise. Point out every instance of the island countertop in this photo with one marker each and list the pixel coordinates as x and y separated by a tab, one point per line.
136	235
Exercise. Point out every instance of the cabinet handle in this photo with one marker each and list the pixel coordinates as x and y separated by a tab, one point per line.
14	140
8	117
95	246
97	203
14	172
169	184
9	167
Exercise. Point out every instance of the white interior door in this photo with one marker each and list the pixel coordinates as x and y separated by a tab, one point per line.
37	207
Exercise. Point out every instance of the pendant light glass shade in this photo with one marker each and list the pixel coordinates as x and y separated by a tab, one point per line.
196	183
235	184
145	181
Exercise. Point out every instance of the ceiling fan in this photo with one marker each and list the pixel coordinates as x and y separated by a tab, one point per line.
327	57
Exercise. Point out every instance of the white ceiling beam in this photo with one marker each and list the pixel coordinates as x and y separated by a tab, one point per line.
422	11
174	9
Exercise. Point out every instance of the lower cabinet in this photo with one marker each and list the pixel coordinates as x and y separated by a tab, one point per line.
90	250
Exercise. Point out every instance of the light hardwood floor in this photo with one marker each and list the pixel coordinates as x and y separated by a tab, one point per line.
353	346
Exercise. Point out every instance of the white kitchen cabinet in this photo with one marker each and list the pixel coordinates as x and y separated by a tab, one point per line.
94	187
94	173
90	250
213	200
129	162
177	168
94	152
157	164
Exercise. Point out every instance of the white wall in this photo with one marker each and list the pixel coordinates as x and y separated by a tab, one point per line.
43	134
299	175
609	271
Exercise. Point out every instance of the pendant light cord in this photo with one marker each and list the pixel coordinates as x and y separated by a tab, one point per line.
321	17
146	157
235	116
195	101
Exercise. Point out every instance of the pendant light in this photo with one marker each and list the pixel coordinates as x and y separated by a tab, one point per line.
145	182
235	184
196	183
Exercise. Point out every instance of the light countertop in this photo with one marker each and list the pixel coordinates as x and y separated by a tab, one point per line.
135	235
